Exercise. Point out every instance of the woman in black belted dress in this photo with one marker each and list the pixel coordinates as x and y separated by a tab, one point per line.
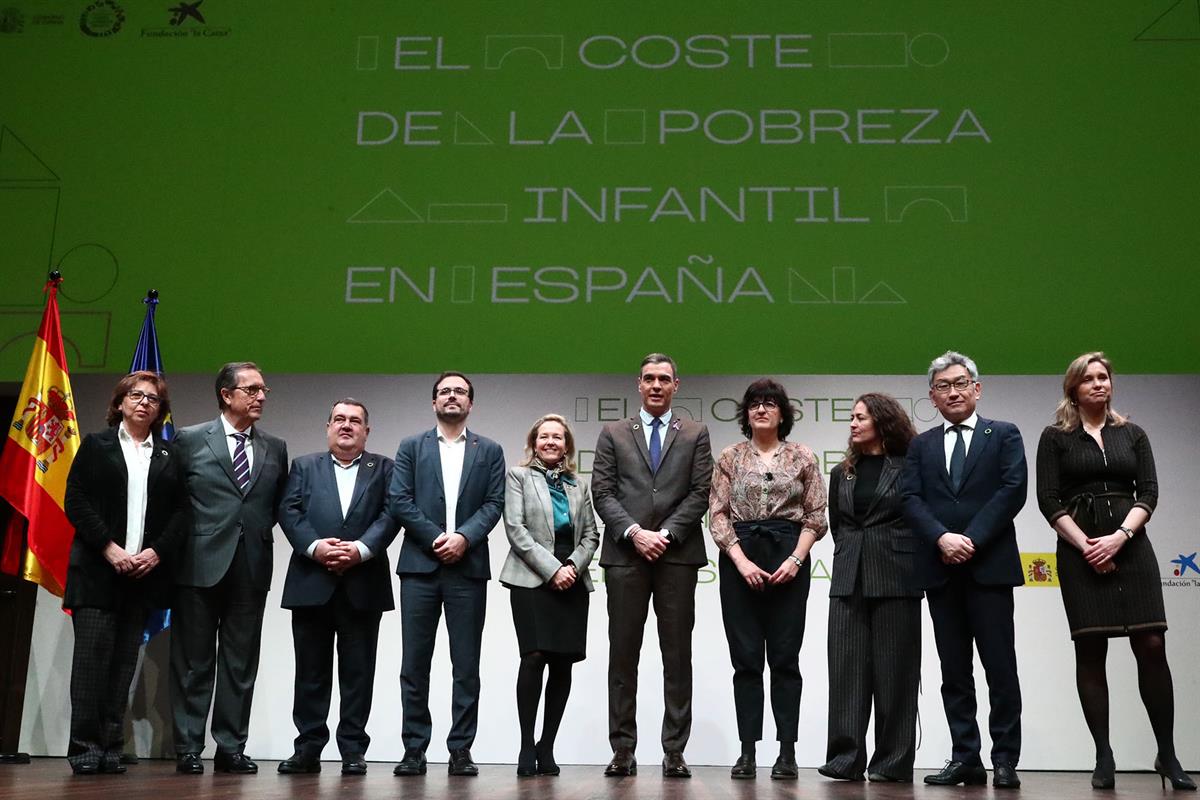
1097	487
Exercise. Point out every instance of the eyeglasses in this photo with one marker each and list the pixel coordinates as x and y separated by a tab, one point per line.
252	391
457	391
769	405
137	396
960	385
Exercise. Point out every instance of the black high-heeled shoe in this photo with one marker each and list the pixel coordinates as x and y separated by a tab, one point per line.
527	762
1173	772
1104	775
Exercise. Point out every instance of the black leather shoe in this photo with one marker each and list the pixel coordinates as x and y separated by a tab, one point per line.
234	764
956	772
674	766
298	764
129	758
90	768
189	764
744	769
413	763
623	764
112	766
462	764
354	765
879	777
830	772
546	765
1004	776
784	769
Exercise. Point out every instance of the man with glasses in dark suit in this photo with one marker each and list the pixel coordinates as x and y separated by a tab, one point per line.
963	484
447	491
235	476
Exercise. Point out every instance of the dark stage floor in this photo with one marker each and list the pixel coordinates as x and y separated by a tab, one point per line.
51	779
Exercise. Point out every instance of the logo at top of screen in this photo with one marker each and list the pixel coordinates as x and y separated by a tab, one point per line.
185	11
102	18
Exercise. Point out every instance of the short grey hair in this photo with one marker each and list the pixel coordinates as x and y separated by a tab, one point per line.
949	359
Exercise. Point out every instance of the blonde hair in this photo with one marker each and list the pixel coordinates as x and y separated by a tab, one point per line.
568	460
1066	416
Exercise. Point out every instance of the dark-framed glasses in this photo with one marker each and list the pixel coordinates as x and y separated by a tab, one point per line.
253	390
457	391
768	405
960	385
137	396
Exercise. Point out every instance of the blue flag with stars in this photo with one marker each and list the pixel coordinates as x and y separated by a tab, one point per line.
147	357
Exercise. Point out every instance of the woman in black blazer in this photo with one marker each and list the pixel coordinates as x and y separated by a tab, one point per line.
874	605
126	498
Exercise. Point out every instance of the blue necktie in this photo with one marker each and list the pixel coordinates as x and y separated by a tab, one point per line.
958	458
241	463
655	444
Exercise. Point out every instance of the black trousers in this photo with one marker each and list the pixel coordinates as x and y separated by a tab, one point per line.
965	612
630	589
422	598
106	648
874	655
765	628
229	615
314	631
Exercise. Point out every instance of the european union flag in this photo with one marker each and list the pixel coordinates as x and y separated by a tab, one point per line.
146	357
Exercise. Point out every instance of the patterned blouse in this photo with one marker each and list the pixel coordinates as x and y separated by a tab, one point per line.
742	492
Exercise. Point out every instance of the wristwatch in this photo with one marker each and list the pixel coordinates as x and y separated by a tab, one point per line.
1128	533
795	560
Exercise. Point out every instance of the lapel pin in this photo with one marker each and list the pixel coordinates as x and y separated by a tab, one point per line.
372	463
676	424
163	452
987	431
637	427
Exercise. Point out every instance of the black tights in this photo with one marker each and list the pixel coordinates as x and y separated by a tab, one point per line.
529	693
1154	684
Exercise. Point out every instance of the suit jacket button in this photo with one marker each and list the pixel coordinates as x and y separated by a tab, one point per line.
655	490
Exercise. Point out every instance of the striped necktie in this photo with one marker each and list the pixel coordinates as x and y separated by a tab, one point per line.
241	464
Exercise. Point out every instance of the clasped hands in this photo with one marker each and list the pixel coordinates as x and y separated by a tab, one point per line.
1099	551
337	555
564	578
956	548
135	566
649	544
758	578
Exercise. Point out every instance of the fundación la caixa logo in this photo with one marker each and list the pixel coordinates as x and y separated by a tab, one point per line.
1184	572
186	20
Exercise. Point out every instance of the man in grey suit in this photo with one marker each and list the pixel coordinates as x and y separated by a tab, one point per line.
338	584
447	490
235	476
650	482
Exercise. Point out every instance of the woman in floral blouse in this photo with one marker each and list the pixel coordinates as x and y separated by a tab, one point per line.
767	509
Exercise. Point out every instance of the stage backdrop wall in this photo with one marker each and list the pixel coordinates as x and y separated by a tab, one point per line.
493	171
1054	732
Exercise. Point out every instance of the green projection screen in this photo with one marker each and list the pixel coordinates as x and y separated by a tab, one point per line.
799	187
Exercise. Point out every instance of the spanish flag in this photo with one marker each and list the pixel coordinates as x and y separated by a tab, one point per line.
41	444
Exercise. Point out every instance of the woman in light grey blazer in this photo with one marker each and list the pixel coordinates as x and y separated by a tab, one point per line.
552	529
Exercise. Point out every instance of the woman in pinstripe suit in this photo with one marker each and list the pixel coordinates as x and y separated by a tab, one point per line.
874	607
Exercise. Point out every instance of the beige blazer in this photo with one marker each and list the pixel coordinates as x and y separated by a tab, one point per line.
529	523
